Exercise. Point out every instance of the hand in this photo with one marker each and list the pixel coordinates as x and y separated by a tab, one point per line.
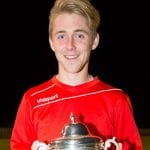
37	145
120	146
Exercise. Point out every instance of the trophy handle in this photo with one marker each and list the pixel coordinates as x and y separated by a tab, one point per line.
108	143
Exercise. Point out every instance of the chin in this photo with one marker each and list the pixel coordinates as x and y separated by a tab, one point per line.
72	70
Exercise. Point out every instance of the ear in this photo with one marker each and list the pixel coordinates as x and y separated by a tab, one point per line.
51	44
96	41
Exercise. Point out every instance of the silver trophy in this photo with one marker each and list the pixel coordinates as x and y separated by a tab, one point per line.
75	136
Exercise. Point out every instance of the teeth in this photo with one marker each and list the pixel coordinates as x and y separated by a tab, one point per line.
71	56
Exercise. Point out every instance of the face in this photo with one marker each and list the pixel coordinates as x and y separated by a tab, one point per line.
72	42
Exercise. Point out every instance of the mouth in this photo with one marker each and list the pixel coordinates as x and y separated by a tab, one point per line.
70	57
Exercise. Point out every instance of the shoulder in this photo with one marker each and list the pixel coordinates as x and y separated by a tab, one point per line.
114	94
110	89
39	89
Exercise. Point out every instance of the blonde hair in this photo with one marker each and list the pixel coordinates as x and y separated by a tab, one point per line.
80	7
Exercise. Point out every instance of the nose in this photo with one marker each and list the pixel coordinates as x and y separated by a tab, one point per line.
70	43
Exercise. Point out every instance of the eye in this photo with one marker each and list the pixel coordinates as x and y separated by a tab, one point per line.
79	36
61	36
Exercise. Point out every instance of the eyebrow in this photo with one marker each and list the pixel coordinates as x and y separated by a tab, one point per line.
81	30
77	30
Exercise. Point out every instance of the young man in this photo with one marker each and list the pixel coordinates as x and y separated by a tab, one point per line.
45	109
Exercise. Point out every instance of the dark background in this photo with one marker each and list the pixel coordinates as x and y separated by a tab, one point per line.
121	59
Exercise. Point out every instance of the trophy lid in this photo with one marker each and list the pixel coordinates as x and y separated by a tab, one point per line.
74	128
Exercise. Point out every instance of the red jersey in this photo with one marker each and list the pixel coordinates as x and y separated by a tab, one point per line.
45	110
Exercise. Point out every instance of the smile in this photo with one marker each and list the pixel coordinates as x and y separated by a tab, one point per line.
70	57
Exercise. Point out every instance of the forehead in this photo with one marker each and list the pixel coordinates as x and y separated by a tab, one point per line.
70	21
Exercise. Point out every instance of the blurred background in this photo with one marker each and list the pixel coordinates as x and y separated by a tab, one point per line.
121	59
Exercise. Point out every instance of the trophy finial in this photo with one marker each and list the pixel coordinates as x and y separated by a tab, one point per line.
72	118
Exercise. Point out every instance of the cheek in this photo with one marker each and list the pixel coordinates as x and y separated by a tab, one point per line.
58	46
83	45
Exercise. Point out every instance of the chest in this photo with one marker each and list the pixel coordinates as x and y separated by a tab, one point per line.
95	112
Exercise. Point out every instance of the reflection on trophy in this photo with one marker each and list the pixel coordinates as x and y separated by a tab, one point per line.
75	136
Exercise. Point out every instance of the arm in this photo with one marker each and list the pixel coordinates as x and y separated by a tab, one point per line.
125	127
23	133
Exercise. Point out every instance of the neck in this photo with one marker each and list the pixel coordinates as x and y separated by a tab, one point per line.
74	79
